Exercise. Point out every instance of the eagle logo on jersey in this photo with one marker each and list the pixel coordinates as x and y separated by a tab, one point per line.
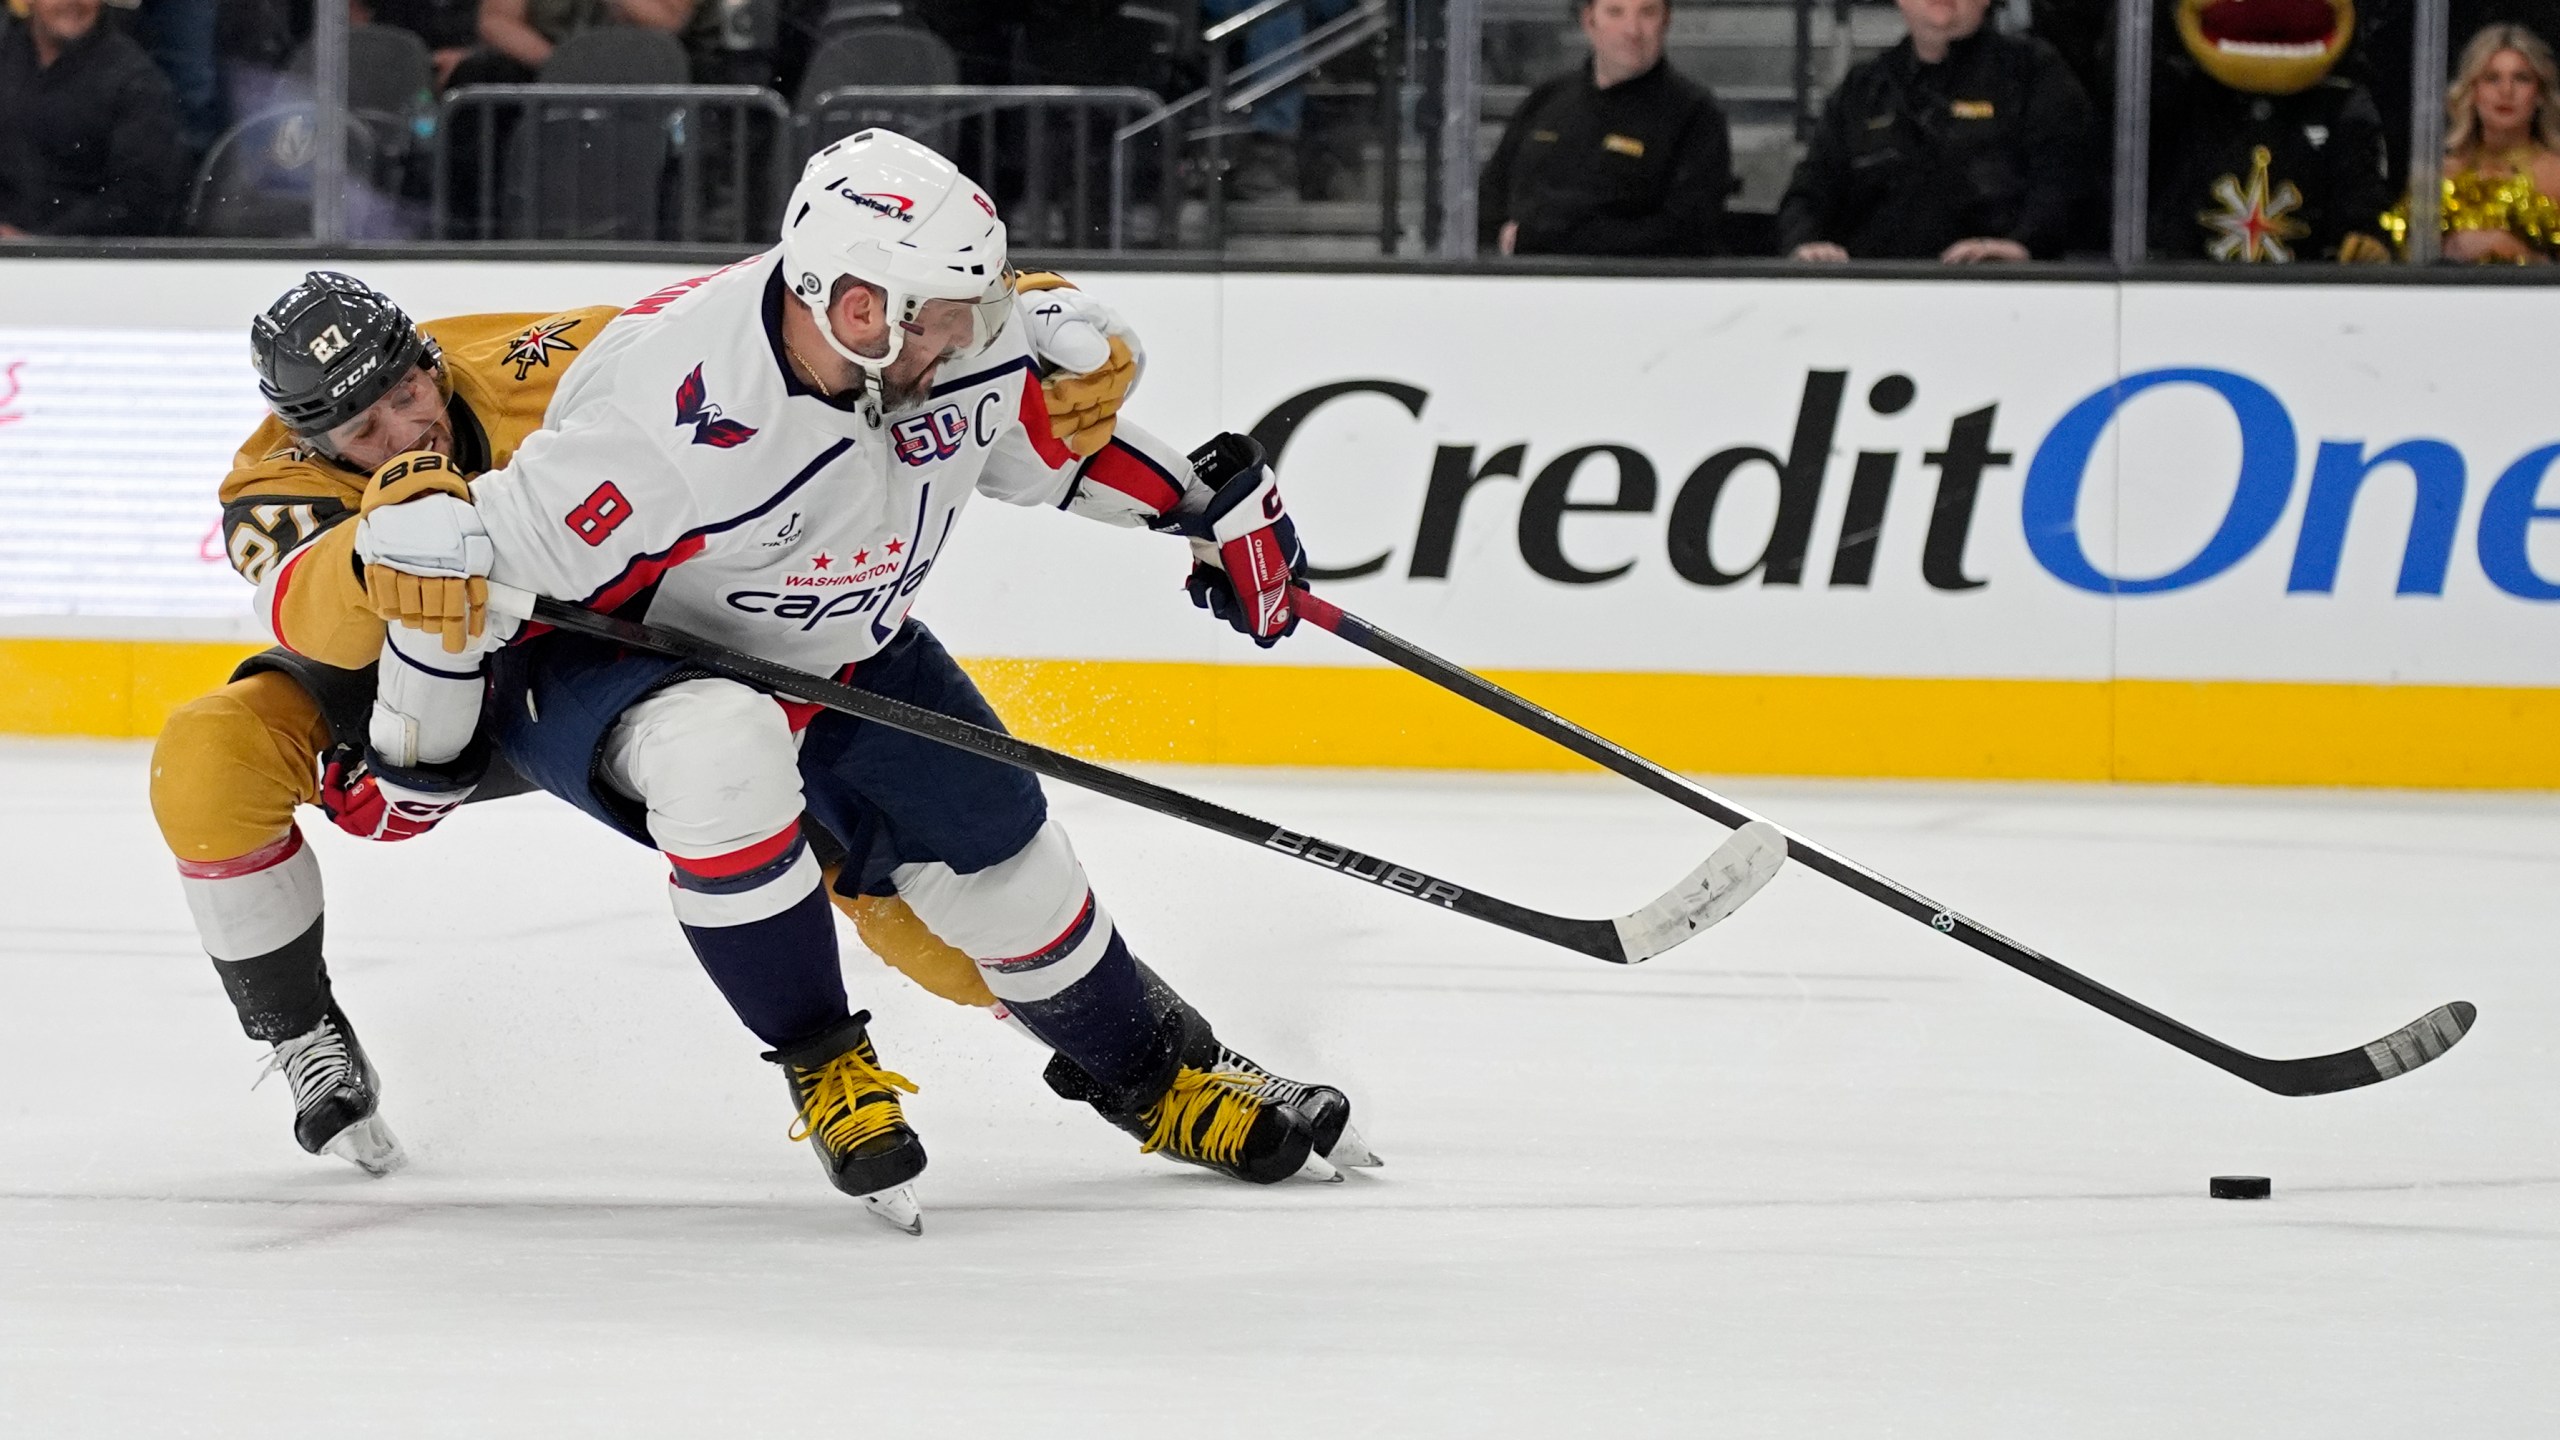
537	345
695	407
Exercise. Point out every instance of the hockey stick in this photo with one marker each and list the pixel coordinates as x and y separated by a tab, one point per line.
1717	888
2404	1049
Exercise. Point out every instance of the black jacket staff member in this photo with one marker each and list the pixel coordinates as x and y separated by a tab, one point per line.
88	127
1620	157
1959	144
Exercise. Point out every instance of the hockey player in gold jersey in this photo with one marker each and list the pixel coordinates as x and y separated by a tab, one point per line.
370	409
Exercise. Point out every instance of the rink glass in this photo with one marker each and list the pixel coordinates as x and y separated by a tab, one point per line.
322	131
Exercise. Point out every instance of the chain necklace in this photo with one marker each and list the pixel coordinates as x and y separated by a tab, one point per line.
807	371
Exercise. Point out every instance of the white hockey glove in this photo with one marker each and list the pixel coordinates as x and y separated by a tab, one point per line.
426	704
1089	357
425	552
423	755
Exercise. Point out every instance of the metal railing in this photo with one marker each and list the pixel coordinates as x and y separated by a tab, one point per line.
1453	47
474	201
1231	94
1044	151
661	162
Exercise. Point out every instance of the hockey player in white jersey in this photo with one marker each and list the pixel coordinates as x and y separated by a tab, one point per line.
775	457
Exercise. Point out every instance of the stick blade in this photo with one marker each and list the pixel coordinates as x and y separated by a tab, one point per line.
1748	859
2395	1054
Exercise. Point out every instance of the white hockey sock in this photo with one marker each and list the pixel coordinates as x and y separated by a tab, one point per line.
1032	922
257	903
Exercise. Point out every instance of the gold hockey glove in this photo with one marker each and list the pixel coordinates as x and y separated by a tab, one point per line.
453	607
1084	399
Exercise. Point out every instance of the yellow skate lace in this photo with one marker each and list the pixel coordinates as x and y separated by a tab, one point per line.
832	1107
1228	1094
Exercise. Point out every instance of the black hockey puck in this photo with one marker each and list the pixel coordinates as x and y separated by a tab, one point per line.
2240	1187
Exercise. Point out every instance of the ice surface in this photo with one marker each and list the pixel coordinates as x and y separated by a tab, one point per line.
1820	1172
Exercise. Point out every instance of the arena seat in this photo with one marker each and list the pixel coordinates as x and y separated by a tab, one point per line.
581	170
873	54
617	55
255	181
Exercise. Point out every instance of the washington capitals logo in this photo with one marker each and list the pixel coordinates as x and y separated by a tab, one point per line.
9	392
537	345
694	407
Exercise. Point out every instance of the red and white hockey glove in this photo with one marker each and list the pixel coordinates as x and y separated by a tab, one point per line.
1245	548
369	807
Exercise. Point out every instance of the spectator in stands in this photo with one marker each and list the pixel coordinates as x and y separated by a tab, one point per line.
253	41
2379	58
520	34
450	28
88	128
1269	164
1622	156
1959	144
178	35
2501	153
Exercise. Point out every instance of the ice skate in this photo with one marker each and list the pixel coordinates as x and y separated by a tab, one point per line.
336	1096
1219	1111
849	1114
1327	1112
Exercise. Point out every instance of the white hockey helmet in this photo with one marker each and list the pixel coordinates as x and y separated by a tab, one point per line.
889	212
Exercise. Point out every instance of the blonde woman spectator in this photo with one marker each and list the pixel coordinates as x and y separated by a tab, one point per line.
2501	153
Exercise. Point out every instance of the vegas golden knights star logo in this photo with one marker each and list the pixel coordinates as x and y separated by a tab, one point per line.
537	345
2254	222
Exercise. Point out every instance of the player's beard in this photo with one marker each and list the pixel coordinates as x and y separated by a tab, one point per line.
899	394
903	392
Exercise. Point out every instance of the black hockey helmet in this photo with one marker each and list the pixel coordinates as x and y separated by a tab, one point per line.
331	346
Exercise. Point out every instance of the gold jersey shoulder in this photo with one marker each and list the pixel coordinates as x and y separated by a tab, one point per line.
503	369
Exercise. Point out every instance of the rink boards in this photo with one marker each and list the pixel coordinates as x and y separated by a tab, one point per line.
2281	534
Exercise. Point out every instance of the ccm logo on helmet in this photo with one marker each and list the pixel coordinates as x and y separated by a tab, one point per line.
895	206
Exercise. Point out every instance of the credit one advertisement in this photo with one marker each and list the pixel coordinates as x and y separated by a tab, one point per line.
2072	481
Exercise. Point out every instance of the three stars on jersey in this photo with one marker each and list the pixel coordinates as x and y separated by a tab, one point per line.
826	574
822	560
